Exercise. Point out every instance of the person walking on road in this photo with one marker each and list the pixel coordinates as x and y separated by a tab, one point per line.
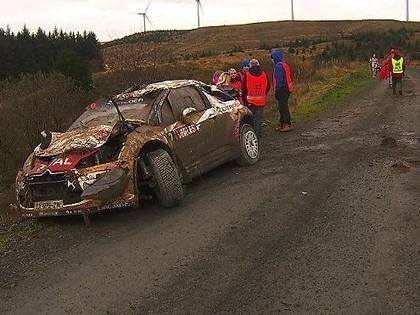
255	87
283	86
397	72
374	65
386	68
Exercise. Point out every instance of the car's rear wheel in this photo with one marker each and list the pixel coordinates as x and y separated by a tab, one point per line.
166	181
249	145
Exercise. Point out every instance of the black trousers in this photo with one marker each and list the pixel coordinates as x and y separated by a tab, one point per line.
282	97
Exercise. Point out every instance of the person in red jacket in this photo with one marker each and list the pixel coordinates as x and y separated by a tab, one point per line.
255	87
386	73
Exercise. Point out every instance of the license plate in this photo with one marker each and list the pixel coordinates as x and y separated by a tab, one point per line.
50	204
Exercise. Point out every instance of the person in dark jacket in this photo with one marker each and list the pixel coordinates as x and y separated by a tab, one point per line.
244	68
255	87
283	86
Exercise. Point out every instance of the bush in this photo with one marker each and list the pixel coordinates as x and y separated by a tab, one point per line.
34	103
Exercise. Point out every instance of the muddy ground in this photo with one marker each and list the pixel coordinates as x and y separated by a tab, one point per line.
327	222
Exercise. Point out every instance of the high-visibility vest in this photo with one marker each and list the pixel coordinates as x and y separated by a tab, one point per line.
397	65
257	89
288	73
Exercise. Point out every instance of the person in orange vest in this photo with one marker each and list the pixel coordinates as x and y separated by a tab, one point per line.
283	86
397	71
255	86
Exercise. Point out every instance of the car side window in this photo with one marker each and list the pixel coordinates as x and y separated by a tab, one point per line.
185	97
167	115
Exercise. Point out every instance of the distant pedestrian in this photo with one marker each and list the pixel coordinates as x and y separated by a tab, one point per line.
397	71
255	87
374	65
283	86
386	71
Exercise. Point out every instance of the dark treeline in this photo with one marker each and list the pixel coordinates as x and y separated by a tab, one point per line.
361	45
72	54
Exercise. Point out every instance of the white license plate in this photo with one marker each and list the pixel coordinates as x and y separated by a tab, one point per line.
50	204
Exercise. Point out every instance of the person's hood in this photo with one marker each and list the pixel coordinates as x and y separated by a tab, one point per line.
255	71
277	56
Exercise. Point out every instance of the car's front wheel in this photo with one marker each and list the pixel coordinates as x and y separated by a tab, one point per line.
166	181
249	145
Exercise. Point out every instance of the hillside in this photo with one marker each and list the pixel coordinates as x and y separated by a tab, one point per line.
211	41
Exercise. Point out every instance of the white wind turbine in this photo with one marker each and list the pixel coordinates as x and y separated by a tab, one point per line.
144	14
199	7
293	12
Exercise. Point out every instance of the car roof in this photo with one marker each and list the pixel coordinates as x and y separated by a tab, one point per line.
164	85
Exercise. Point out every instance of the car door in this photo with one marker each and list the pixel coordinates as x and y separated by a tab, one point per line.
193	138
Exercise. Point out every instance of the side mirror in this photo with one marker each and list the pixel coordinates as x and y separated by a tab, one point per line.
185	119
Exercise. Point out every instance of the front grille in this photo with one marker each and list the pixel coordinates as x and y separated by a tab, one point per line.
62	186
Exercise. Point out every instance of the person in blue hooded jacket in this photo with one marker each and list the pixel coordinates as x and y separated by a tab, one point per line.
283	86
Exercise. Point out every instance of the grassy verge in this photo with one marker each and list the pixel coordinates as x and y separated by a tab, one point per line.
20	230
327	87
12	227
345	87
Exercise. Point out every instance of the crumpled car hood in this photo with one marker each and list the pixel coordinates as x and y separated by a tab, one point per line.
78	140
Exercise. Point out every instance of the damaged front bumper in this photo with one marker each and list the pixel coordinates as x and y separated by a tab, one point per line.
75	192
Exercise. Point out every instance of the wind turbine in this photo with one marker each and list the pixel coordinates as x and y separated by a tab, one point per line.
199	7
293	14
144	14
407	9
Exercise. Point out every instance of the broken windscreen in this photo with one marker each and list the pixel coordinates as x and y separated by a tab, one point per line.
103	112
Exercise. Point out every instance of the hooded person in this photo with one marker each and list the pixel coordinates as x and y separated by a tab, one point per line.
255	87
244	68
283	86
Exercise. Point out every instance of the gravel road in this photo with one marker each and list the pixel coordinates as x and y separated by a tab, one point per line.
328	222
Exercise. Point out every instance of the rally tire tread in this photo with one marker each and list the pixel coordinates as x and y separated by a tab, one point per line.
168	186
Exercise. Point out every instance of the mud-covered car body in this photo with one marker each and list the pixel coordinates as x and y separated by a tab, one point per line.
143	143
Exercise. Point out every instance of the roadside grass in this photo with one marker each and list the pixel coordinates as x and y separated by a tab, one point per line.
334	93
12	226
21	230
328	87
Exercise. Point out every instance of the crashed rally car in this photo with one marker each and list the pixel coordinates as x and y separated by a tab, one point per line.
144	143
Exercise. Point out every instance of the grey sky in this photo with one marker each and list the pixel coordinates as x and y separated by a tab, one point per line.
111	19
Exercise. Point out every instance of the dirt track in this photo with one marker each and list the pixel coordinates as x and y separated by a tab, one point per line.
327	222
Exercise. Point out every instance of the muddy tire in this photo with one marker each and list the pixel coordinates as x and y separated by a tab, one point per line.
249	145
166	182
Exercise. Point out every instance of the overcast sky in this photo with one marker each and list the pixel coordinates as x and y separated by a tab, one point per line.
112	19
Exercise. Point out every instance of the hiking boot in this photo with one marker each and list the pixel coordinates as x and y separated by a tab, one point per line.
286	128
279	128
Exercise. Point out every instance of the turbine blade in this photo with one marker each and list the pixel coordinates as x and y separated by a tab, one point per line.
149	20
148	6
